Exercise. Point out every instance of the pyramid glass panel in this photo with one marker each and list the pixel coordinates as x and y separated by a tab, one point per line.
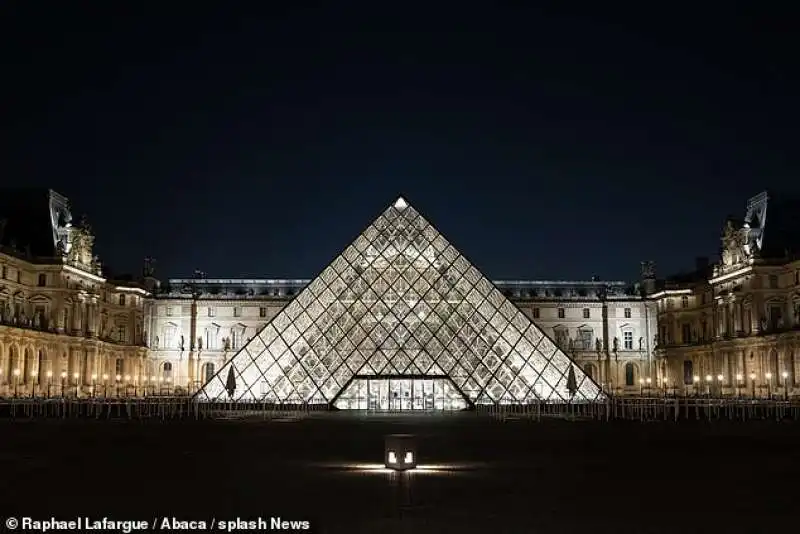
400	321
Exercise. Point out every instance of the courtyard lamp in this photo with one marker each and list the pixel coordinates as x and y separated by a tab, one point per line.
127	385
720	379
75	376
785	376
648	381
94	384
768	376
105	385
753	383
49	381
63	382
709	378
16	381
641	387
116	384
400	452
696	383
739	378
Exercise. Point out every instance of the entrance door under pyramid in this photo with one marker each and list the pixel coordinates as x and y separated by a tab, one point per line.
397	317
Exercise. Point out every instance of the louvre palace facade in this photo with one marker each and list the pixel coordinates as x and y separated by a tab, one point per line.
67	329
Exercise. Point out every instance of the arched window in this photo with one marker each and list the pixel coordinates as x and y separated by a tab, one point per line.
629	374
208	371
42	368
167	371
25	369
589	370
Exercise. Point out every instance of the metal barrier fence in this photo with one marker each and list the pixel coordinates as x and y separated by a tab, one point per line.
616	409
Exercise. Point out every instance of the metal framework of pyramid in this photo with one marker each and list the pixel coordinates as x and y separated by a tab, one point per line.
400	320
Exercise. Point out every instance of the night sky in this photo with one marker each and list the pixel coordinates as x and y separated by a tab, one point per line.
260	143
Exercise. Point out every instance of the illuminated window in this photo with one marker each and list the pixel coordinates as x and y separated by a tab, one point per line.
42	280
627	340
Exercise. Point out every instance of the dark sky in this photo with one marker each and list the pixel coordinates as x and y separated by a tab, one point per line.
258	143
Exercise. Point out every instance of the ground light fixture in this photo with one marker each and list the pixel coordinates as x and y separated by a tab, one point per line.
400	452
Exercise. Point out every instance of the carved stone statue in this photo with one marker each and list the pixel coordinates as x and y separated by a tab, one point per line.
763	323
149	269
598	345
616	344
648	270
181	343
199	343
641	343
227	343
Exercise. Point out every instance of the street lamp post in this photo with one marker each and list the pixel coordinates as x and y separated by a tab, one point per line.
49	382
648	381
696	383
720	379
768	376
105	385
753	383
63	383
118	378
739	378
127	385
709	378
75	376
94	385
641	387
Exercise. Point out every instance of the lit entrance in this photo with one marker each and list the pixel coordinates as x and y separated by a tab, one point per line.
400	394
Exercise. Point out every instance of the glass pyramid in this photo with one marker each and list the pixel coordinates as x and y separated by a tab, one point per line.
400	320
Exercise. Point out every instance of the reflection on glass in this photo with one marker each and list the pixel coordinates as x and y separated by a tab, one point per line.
400	304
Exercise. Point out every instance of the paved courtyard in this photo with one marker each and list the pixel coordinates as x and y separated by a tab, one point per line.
516	476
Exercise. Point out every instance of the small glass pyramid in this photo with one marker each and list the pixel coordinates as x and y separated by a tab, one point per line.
400	320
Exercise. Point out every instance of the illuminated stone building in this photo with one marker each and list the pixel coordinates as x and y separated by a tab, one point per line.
64	327
198	325
734	327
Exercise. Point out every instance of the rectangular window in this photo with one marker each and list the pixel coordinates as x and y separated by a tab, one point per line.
122	300
586	313
42	280
627	339
561	313
686	332
684	301
773	281
627	313
210	312
169	311
123	334
262	312
237	311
